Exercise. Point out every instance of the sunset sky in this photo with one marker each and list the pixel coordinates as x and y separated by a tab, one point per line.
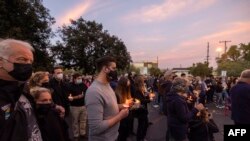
177	31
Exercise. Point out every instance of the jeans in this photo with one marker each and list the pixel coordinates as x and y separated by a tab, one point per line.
219	99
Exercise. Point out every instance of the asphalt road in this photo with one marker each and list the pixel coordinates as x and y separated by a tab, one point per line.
157	131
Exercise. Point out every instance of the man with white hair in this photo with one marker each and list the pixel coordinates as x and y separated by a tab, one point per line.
240	97
17	120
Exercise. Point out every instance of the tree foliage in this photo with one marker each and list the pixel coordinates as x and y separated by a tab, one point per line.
155	71
201	69
29	21
233	53
245	50
134	69
82	42
233	68
235	60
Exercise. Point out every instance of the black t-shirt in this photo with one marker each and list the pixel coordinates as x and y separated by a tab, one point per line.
75	90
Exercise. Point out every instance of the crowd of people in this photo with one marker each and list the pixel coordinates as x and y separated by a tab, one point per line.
40	106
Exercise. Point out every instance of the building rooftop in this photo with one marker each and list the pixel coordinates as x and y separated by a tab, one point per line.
180	69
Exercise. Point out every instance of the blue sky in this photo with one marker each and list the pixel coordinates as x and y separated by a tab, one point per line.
177	31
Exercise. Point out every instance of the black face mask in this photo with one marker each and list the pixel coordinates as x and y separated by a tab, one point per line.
43	109
45	84
112	75
21	72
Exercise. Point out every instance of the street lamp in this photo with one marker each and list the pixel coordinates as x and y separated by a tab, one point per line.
219	50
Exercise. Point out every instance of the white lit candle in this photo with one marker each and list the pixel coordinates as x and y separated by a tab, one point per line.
137	103
126	104
151	96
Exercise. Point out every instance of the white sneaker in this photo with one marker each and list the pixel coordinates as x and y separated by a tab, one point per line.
221	107
156	106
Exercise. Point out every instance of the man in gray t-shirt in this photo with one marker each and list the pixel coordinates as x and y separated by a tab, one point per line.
104	114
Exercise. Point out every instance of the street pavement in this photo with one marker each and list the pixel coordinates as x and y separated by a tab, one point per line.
157	131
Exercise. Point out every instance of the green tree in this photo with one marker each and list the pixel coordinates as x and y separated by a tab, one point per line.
29	21
233	53
201	69
235	60
245	49
85	41
134	69
222	59
155	71
233	68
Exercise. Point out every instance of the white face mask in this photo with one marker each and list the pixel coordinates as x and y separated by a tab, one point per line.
78	81
59	76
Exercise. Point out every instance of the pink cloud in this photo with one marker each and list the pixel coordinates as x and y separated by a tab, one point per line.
138	54
75	12
156	38
166	9
193	51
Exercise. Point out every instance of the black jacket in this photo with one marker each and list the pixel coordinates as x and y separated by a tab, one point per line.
60	94
165	86
178	116
240	97
53	127
13	123
202	131
143	110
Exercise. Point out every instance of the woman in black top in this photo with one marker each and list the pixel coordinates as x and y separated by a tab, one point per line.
123	94
52	126
141	113
202	127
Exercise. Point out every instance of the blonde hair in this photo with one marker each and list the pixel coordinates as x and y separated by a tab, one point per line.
139	84
36	78
204	115
37	91
122	90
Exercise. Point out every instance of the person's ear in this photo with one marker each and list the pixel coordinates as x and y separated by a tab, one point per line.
106	69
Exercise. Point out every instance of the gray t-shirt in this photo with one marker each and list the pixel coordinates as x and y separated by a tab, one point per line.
101	105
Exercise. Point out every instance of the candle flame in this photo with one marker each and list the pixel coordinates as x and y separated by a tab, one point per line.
127	102
137	101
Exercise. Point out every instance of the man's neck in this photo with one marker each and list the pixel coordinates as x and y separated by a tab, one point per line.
246	80
102	78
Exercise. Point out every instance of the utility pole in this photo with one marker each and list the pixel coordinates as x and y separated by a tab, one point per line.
225	42
157	61
207	52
